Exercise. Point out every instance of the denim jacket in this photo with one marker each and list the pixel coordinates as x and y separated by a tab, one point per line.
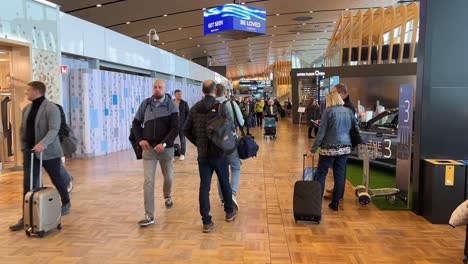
334	129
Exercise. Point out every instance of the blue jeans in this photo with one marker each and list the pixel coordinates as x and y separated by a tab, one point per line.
65	175
206	167
338	163
235	164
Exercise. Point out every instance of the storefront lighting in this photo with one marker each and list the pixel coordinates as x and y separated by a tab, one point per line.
47	3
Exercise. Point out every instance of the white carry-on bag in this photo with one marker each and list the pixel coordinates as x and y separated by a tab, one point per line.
42	206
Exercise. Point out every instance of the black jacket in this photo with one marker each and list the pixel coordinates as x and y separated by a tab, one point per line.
157	122
183	112
348	104
195	129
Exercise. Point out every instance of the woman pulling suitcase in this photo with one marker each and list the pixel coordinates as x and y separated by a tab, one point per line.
334	141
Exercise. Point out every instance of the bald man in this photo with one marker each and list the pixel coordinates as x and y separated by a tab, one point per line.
155	126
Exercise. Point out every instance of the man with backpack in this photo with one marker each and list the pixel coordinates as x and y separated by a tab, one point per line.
234	160
212	154
155	127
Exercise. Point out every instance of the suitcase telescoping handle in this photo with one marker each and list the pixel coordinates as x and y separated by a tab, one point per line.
304	161
31	175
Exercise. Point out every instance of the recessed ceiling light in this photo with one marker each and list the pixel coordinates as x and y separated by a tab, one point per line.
163	43
298	33
128	22
174	50
190	38
180	28
165	15
277	14
294	40
347	9
198	45
204	51
272	35
98	5
275	26
304	24
203	9
311	11
243	3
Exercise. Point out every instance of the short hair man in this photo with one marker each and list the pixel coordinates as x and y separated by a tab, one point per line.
210	157
155	126
234	160
39	133
183	113
343	91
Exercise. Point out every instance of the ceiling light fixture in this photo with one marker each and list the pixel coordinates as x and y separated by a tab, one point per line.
190	38
165	15
174	50
204	51
180	28
347	9
275	26
304	24
298	33
98	5
311	11
198	45
128	22
243	3
163	43
203	9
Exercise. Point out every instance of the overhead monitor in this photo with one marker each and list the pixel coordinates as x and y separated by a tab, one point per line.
235	21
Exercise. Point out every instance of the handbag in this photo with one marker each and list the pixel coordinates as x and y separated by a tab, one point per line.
246	145
354	134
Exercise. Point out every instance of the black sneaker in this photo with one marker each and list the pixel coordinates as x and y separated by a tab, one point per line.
66	209
208	227
18	226
333	206
168	202
146	221
231	216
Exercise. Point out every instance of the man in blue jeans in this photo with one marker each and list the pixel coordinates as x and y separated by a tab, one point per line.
234	160
210	157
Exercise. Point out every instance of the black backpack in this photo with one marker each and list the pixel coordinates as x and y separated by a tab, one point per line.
220	131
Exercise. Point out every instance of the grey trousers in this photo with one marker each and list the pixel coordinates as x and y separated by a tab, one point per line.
150	161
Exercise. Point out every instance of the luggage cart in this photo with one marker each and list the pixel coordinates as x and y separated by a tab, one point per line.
363	193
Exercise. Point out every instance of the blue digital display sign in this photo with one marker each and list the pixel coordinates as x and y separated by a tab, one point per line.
235	17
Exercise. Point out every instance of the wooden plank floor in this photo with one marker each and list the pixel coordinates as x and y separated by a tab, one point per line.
108	202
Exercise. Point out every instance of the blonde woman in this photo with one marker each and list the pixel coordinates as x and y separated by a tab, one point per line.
334	142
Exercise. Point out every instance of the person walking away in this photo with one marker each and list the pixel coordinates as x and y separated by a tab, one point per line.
155	126
289	107
234	160
342	90
210	157
334	142
183	113
39	133
259	112
313	117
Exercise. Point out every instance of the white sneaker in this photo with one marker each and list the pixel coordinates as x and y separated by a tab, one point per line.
182	157
234	200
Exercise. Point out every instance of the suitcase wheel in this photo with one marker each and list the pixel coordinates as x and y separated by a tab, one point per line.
27	232
59	227
359	189
41	234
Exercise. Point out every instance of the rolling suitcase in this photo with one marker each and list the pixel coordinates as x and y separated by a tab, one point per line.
307	200
42	206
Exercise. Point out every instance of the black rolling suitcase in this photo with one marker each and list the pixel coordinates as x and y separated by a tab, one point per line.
307	200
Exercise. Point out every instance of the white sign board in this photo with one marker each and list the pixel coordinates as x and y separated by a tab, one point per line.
301	110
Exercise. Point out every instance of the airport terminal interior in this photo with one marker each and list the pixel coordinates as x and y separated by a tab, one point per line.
367	97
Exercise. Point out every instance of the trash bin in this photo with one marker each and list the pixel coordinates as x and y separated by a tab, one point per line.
466	178
444	189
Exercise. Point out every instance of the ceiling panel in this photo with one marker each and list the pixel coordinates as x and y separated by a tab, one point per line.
302	27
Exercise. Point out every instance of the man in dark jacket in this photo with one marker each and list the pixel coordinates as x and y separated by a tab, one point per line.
343	91
183	113
155	126
210	157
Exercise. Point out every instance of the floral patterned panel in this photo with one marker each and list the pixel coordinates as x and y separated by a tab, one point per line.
45	68
103	105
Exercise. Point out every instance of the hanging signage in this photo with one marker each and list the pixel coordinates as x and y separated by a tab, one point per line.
63	69
235	17
405	135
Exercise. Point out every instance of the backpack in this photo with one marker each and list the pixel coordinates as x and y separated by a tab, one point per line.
67	139
246	146
220	131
